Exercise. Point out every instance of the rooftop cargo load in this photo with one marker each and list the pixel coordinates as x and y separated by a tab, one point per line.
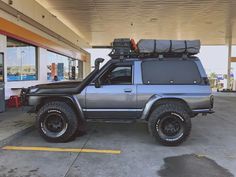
189	47
126	48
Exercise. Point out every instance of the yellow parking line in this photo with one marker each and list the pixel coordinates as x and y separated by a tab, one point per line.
49	149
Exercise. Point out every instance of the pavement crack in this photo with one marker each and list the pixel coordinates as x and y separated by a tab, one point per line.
67	172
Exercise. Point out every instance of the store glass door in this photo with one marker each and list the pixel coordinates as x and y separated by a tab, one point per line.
2	85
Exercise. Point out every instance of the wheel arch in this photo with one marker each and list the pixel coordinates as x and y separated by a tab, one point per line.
157	100
72	101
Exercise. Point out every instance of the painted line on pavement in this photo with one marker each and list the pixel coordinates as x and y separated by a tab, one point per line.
50	149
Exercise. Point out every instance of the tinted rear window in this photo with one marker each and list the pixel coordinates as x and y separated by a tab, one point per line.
170	72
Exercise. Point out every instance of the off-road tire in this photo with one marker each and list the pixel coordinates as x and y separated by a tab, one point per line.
160	113
66	113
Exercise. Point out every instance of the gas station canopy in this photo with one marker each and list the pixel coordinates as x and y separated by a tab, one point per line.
100	21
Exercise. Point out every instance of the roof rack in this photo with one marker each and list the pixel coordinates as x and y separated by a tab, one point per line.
124	48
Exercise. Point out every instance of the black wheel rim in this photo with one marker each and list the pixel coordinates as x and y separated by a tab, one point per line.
170	126
54	125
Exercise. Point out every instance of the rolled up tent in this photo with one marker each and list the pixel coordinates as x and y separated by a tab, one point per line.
190	47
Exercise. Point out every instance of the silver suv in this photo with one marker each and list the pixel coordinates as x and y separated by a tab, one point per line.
165	92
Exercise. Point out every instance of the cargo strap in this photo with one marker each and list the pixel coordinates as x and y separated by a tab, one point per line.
170	46
155	44
185	50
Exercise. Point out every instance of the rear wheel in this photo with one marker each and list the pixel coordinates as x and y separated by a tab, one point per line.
170	124
57	122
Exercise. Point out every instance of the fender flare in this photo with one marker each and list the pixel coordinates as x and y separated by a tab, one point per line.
148	106
72	98
78	107
156	98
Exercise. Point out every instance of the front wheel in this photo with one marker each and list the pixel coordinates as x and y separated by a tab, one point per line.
170	124
57	122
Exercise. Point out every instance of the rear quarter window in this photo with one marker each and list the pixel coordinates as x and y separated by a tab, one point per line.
163	72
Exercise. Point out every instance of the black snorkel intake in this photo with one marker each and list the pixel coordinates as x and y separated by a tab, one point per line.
26	92
98	61
90	77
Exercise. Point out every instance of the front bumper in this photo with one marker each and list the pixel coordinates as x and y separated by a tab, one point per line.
24	96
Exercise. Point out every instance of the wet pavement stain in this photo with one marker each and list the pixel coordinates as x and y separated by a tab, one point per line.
15	172
191	165
19	123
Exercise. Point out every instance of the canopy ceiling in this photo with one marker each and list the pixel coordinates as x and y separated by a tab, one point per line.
100	21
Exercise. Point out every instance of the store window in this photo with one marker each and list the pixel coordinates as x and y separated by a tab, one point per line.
21	61
63	67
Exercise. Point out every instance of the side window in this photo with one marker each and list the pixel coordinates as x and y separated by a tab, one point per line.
117	75
170	72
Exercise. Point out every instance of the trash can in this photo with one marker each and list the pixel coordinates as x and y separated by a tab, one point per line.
2	97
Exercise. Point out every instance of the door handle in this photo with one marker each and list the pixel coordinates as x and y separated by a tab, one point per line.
127	90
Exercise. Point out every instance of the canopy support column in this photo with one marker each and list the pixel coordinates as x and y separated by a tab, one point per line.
229	62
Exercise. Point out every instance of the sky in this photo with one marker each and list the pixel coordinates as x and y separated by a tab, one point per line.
213	58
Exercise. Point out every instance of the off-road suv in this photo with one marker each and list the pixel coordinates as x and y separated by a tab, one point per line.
165	91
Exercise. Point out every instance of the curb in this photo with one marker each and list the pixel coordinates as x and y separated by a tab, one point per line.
16	135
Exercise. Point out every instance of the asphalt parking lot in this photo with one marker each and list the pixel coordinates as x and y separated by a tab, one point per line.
127	150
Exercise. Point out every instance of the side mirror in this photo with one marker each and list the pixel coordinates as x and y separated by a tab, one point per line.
97	83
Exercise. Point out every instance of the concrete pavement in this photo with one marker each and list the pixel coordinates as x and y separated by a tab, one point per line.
14	122
210	147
